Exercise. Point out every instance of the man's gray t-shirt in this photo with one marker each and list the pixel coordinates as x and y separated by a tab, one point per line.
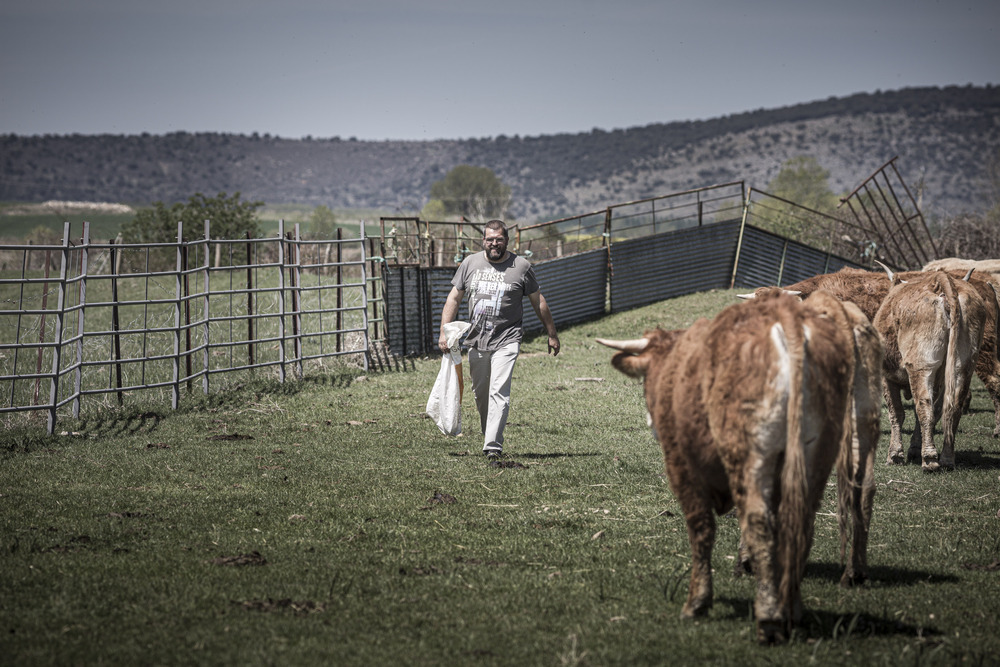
496	294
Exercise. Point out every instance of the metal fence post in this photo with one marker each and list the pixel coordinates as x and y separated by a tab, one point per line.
281	300
781	263
178	290
84	264
296	272
364	297
57	337
739	242
339	280
206	285
250	309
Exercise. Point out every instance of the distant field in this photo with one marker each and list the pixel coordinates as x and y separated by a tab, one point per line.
18	220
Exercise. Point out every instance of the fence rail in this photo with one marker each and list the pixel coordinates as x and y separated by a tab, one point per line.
131	318
408	241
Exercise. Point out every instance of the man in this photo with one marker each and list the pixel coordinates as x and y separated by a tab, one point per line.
497	281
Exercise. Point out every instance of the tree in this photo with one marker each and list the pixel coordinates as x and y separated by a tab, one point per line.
323	227
473	192
322	223
804	182
228	217
434	210
157	224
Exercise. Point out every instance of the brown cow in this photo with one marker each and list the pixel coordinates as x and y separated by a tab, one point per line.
856	469
933	328
868	289
762	403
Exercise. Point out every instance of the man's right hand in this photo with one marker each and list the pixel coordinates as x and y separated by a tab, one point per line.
443	343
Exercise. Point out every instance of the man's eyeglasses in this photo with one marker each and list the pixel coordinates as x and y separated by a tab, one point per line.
494	241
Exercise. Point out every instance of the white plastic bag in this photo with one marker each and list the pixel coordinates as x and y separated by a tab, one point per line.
444	405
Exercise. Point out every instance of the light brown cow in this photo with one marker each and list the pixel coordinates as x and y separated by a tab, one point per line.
988	362
989	266
932	327
868	289
856	467
750	410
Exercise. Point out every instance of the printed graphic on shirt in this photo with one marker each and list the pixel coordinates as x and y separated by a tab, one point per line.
488	289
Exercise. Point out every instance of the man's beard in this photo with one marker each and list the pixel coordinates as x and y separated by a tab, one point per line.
495	252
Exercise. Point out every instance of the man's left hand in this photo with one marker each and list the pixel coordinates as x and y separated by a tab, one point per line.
554	345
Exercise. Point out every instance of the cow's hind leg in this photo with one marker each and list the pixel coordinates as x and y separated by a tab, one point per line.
701	535
757	525
988	370
858	493
996	416
896	416
744	564
949	424
924	405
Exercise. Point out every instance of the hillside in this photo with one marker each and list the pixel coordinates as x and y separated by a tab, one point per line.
944	137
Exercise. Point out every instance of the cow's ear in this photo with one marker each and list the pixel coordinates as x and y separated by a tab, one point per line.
631	364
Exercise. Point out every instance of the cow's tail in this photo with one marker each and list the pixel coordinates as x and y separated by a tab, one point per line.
848	463
793	509
996	300
956	324
850	459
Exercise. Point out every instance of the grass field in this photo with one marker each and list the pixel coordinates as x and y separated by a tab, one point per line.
327	522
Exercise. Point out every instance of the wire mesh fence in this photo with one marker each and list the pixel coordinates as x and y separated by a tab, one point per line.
89	321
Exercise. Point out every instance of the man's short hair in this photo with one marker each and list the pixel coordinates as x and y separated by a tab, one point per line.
498	225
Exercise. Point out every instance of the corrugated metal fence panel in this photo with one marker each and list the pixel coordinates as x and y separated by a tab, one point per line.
414	299
803	262
575	288
438	281
836	263
761	260
646	270
402	306
672	264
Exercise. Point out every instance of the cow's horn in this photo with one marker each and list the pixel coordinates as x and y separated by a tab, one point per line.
634	346
887	270
969	274
753	295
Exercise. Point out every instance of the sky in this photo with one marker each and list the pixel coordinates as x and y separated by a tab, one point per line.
449	69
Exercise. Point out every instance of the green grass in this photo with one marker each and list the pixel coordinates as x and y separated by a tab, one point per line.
335	494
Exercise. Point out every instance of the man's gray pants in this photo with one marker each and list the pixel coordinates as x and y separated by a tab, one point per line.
491	372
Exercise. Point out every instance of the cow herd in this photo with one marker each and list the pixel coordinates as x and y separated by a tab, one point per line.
754	409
